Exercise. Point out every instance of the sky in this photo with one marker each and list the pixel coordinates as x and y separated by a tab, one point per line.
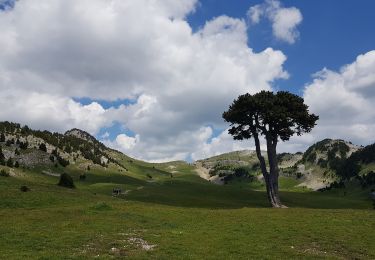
151	78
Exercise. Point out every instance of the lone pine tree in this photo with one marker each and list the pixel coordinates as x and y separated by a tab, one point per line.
276	117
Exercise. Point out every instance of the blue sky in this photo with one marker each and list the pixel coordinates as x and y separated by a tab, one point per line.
332	33
152	78
5	4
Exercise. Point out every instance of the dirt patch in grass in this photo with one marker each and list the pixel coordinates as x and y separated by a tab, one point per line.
314	249
119	245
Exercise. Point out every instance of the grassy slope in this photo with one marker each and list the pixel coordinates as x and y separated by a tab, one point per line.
184	216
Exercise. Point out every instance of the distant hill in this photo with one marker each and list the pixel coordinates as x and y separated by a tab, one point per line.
328	163
75	151
322	165
21	143
52	152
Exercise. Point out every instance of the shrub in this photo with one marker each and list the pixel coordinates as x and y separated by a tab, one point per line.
255	167
24	188
10	162
62	161
322	163
43	147
242	172
311	157
66	181
54	152
334	185
2	157
222	174
24	145
68	149
367	180
228	178
4	173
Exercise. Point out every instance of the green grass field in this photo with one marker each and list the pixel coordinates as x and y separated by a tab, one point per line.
178	217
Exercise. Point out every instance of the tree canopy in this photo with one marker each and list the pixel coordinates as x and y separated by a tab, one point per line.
273	115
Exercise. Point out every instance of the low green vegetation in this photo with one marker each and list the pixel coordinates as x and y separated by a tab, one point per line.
165	211
179	217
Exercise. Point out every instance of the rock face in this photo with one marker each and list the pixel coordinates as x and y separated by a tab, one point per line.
34	158
29	158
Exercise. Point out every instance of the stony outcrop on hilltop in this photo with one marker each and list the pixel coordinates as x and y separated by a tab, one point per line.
23	145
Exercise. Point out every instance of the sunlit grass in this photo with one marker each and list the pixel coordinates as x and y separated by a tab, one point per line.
181	217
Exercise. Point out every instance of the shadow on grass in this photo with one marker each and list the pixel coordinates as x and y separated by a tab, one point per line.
192	192
205	195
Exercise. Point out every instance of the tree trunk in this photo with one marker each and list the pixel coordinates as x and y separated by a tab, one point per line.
271	178
273	173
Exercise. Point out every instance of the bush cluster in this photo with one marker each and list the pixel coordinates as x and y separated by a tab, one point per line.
66	181
4	173
24	188
367	180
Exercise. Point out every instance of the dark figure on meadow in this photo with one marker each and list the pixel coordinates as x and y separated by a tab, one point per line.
276	117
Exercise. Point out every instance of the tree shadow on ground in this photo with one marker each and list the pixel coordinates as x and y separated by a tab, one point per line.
206	195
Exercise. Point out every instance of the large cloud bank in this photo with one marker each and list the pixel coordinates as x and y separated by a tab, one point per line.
54	50
180	80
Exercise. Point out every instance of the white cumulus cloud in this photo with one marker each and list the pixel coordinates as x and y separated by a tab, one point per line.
345	100
126	142
284	19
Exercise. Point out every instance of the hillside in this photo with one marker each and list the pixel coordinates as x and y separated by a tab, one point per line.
74	151
164	210
323	164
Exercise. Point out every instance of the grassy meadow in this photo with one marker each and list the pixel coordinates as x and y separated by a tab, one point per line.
176	215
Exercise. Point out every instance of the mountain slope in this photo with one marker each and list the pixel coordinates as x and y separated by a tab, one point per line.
323	164
318	167
74	151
